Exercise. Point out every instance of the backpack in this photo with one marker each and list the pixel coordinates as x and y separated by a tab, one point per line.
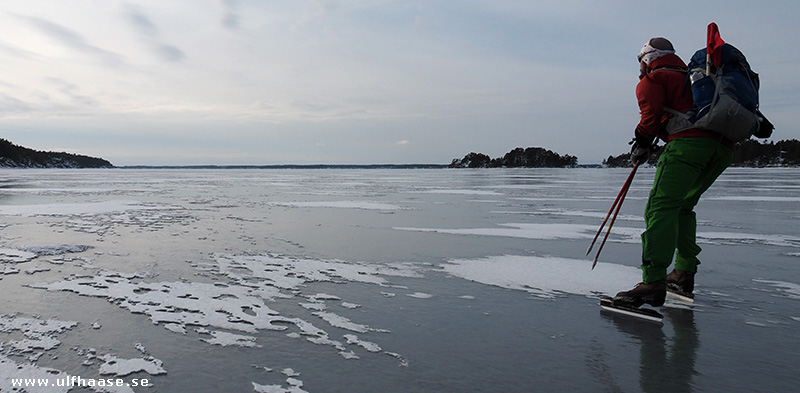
725	98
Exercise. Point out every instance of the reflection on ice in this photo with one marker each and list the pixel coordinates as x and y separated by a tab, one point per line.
788	289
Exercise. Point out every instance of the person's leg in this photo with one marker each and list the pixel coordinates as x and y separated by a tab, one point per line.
680	167
683	174
687	248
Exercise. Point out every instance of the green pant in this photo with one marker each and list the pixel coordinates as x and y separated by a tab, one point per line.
686	169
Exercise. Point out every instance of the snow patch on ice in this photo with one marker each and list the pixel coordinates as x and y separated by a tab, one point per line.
228	339
39	337
11	370
419	295
288	272
535	231
369	346
122	367
237	301
555	231
192	303
293	387
545	277
11	255
344	323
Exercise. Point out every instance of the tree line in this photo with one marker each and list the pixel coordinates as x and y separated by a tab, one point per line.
531	157
750	153
13	156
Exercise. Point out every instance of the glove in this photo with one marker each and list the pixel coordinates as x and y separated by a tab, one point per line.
641	149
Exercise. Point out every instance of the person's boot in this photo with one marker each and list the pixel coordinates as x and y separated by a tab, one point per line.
681	282
653	294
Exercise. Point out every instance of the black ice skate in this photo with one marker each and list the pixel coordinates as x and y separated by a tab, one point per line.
653	294
680	285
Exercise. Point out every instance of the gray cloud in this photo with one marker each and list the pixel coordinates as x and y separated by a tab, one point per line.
73	40
169	53
140	21
9	105
71	92
230	14
151	35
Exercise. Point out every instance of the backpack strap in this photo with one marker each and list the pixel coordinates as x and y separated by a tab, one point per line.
676	113
686	85
668	68
679	121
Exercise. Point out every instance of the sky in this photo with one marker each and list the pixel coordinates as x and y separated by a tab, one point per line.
252	82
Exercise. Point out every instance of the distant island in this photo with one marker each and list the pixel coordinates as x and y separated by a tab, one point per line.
532	157
13	156
750	153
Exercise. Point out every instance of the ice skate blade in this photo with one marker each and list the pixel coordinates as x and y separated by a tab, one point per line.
677	296
646	314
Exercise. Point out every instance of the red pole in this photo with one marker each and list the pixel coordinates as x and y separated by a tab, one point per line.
618	204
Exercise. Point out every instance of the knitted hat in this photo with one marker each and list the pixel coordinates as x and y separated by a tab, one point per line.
655	48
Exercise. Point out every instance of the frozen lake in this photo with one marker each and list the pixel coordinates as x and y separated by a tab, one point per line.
383	280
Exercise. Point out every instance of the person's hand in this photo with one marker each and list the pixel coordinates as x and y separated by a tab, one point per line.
639	154
641	149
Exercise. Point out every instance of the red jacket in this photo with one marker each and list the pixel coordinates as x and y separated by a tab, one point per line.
665	87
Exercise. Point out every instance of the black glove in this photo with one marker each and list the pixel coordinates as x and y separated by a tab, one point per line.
641	148
765	126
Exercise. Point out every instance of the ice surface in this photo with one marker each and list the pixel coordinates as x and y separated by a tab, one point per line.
68	209
304	268
342	205
463	192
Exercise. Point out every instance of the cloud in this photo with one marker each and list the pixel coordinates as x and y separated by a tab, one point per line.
140	21
150	34
230	14
72	40
71	92
169	53
12	105
349	81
